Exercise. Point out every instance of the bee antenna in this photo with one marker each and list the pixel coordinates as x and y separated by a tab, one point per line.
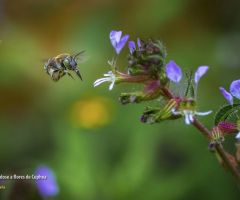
77	54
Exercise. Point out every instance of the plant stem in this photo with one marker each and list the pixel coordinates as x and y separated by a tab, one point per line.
219	148
167	93
202	128
207	133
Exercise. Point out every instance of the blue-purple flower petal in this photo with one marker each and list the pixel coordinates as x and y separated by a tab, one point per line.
173	71
131	46
199	73
139	43
48	187
122	43
115	37
227	95
235	88
117	42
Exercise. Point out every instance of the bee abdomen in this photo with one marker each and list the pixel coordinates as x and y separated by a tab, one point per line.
56	75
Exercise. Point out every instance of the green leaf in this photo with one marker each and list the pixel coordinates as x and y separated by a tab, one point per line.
225	112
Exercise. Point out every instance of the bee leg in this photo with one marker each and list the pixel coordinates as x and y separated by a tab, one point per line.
68	73
78	73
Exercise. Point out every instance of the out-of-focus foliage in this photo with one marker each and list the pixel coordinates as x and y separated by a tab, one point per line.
98	148
91	112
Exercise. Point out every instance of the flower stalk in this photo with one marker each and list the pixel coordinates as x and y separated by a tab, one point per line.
219	149
146	66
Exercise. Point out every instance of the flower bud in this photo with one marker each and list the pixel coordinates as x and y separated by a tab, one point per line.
134	97
152	90
155	115
149	115
217	136
228	127
149	59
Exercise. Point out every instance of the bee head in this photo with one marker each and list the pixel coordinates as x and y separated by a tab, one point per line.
70	63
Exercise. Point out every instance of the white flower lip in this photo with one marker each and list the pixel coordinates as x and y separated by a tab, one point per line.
189	114
109	77
238	136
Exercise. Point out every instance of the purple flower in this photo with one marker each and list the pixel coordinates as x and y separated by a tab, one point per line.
131	46
173	71
46	187
234	91
139	43
117	42
227	95
199	73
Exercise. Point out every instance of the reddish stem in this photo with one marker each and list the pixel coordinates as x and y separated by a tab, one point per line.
167	93
133	79
219	148
207	133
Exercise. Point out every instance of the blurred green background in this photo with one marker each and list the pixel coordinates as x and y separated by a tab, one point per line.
99	149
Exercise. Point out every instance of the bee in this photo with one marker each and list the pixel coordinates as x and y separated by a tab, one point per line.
59	66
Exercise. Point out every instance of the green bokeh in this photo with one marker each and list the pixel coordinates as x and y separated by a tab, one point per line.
123	159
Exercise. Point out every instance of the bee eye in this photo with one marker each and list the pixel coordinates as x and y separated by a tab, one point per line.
73	63
66	62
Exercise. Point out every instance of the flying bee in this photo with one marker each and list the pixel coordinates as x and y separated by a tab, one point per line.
60	65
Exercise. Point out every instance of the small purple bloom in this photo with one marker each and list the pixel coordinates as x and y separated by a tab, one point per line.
131	46
173	71
143	118
227	95
199	73
235	88
46	187
139	43
234	91
117	42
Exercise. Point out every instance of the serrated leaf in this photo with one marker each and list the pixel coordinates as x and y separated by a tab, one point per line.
225	112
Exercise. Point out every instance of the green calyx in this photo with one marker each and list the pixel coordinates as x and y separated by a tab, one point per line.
188	104
156	115
148	59
137	97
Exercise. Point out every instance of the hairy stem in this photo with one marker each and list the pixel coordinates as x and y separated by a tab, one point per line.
168	94
219	149
207	134
132	79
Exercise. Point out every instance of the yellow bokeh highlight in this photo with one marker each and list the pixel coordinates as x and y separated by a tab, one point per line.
91	112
